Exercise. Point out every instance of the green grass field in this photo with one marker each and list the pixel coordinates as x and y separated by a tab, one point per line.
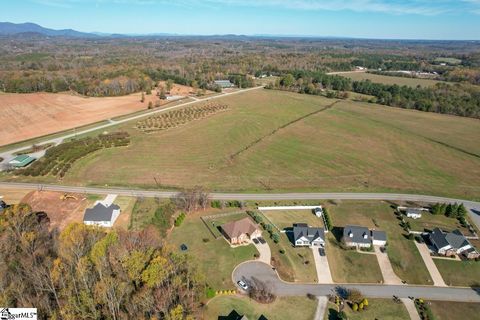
285	308
214	258
350	147
447	310
286	218
404	256
459	273
401	81
384	309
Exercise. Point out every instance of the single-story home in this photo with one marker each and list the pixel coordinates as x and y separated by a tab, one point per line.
452	243
305	236
104	213
414	213
362	237
240	231
21	161
224	83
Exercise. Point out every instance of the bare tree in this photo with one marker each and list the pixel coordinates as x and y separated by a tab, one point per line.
260	291
191	199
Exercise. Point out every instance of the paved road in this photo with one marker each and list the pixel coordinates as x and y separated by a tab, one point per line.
259	270
473	207
9	155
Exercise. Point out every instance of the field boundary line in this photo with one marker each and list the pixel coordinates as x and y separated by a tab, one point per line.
252	144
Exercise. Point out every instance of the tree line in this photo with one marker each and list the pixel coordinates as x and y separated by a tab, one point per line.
455	99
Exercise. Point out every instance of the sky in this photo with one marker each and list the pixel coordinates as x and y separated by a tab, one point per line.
382	19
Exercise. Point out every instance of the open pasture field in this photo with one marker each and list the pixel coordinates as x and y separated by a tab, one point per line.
256	145
447	310
390	80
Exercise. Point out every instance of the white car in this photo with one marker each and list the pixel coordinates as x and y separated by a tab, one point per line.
242	285
318	211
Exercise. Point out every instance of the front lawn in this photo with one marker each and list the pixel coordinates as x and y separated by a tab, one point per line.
459	273
385	309
283	308
429	221
446	310
351	266
215	258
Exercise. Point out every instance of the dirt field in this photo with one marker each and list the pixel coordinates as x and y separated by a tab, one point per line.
60	212
12	196
25	116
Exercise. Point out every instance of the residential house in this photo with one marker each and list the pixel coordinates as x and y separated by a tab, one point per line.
240	231
305	236
452	243
104	213
362	237
414	213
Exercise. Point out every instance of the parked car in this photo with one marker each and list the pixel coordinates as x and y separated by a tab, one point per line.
242	285
262	241
318	211
321	251
255	240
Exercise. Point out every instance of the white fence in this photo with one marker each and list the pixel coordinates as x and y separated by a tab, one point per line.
289	208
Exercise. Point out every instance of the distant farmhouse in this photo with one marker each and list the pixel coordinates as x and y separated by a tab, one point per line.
452	243
224	84
362	237
240	231
21	161
104	213
305	236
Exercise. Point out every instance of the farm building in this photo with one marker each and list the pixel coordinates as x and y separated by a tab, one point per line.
241	231
304	236
104	213
21	161
224	83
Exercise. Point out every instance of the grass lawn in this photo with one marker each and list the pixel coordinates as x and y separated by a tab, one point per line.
126	205
459	273
292	265
446	310
384	309
408	151
350	265
401	81
404	256
429	221
215	258
284	308
286	218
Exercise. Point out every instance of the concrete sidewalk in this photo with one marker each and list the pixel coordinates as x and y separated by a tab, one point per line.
430	264
412	311
321	308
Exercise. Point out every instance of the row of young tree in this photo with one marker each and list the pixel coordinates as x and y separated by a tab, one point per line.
87	273
461	100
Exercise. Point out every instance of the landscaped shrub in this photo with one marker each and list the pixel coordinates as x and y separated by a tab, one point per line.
327	220
281	251
210	293
179	219
275	237
216	204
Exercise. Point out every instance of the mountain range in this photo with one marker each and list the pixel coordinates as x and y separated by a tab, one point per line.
8	28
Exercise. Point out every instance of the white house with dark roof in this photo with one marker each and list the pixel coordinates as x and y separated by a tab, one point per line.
362	237
451	243
305	236
104	213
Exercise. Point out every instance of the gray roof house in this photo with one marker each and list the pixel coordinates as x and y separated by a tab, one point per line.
303	235
101	215
449	243
414	213
357	236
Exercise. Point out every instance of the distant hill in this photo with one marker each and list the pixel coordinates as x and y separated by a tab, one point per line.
8	28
